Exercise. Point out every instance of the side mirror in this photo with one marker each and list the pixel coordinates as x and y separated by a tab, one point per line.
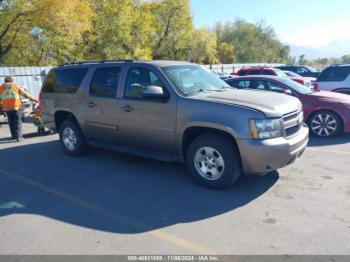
288	92
153	92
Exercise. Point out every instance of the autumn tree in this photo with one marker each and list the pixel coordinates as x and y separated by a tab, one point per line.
226	53
173	29
252	42
122	29
203	47
42	31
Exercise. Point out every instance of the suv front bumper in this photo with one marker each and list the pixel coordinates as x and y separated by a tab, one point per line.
262	156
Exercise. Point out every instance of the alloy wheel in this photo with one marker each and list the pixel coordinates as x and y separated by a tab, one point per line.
209	163
69	138
324	124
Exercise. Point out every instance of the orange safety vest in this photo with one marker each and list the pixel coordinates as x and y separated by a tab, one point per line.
10	97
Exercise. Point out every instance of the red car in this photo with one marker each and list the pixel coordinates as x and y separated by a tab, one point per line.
326	113
273	72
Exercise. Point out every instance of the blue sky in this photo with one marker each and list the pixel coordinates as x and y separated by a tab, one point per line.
301	22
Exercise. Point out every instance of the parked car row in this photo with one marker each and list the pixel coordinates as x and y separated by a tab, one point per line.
326	113
275	72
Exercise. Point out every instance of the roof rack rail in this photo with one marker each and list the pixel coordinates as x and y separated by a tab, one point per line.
97	62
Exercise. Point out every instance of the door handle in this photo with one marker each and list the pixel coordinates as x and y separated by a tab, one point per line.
127	108
90	104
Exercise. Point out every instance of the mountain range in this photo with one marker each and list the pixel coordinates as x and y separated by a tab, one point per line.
333	49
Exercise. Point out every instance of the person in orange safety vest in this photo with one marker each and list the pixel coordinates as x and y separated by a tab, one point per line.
10	101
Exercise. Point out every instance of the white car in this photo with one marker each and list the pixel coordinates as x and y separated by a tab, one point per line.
307	81
335	78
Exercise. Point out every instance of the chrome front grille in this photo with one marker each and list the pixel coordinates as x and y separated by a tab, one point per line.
292	122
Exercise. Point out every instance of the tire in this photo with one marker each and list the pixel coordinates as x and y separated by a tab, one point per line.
72	139
221	170
325	123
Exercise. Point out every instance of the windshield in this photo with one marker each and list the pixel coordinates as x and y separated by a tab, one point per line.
192	79
280	73
296	86
311	69
291	74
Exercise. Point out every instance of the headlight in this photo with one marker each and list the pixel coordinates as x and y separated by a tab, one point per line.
266	128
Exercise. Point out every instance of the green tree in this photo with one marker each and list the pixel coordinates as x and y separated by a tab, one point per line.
173	29
252	42
345	59
42	31
226	53
203	47
122	29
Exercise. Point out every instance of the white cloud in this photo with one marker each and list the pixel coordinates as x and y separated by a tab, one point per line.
317	35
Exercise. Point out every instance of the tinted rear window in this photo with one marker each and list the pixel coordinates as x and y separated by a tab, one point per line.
65	81
242	72
268	72
254	72
105	82
334	74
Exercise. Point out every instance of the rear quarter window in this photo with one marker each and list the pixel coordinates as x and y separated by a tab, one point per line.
269	72
255	72
334	74
64	81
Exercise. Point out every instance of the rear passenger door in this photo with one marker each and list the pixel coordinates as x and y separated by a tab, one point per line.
101	107
146	123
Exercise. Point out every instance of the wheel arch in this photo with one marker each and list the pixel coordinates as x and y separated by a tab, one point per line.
63	115
191	132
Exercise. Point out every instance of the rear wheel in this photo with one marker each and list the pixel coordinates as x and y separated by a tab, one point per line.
325	124
213	161
72	139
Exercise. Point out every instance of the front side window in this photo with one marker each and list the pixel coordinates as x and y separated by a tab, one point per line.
250	84
280	73
256	84
243	84
302	71
138	79
296	86
274	87
105	82
64	81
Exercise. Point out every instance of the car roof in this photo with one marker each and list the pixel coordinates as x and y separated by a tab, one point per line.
257	67
267	77
159	63
339	65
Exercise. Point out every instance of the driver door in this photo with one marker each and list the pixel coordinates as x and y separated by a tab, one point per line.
146	123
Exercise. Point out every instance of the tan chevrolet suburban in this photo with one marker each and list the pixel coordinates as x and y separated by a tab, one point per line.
173	111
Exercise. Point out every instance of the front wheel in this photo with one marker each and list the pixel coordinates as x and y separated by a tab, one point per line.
72	139
325	124
213	160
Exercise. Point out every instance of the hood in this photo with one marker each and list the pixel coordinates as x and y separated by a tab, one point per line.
269	103
330	97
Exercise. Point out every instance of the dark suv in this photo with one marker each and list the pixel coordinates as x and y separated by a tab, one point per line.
304	71
173	111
